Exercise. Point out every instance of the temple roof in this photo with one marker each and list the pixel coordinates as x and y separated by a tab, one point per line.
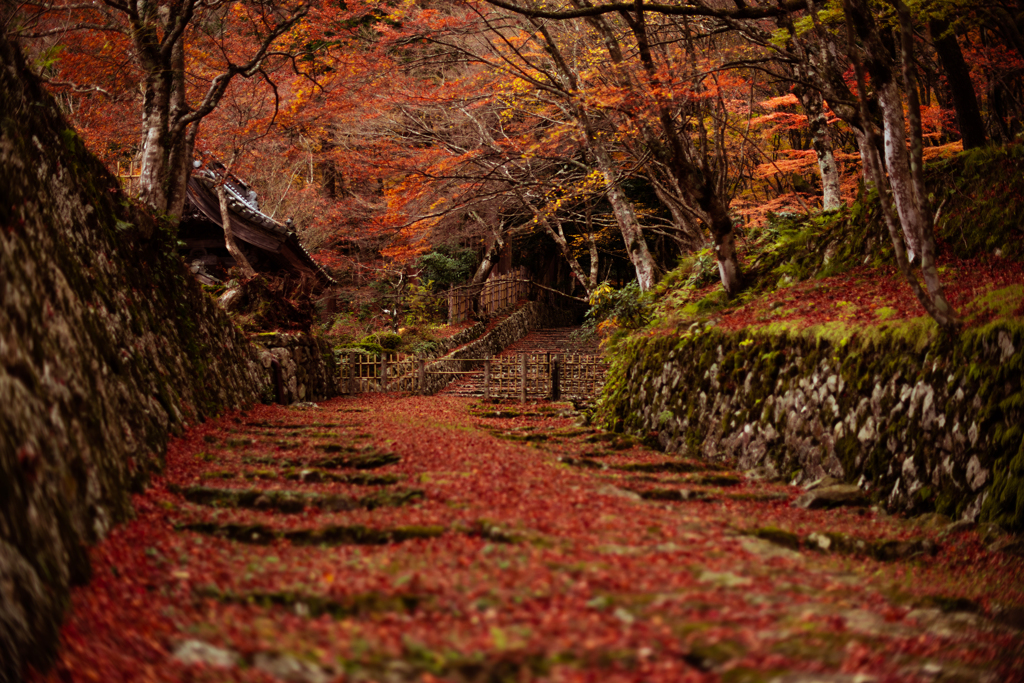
276	245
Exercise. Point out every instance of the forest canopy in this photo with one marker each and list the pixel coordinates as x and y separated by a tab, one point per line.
627	133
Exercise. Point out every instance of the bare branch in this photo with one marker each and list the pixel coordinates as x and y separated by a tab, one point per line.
74	87
744	12
220	84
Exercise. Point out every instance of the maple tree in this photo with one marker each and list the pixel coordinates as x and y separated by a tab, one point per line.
388	128
184	54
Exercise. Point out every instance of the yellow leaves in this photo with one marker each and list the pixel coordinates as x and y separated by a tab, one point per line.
602	294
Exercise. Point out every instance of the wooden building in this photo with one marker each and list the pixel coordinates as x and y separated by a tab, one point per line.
271	247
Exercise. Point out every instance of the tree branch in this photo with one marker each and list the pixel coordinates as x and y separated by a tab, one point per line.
745	12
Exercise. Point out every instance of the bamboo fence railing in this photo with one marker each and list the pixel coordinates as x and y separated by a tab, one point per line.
525	377
494	295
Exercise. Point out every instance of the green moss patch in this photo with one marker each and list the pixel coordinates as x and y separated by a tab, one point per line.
293	501
261	534
315	605
365	460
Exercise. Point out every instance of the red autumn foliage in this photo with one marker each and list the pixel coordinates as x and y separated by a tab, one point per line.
532	567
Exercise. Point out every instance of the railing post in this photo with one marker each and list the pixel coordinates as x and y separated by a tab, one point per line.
522	378
547	367
422	370
487	377
556	380
383	371
353	371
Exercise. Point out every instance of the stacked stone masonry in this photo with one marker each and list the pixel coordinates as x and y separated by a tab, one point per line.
107	347
927	429
309	370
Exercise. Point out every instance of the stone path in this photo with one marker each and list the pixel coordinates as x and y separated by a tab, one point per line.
403	538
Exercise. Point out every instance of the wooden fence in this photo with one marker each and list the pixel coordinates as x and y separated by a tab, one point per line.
524	377
543	375
129	175
494	295
360	372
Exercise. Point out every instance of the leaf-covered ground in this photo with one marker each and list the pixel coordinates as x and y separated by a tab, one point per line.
402	538
979	289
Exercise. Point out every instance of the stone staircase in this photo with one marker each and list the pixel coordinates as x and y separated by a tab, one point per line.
553	340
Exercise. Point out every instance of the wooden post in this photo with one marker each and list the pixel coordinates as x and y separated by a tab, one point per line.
522	378
352	372
383	371
423	375
556	380
487	377
547	367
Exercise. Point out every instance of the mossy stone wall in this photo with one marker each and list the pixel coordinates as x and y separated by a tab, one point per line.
922	429
107	346
309	369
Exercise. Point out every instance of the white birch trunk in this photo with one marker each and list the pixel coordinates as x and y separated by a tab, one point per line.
894	139
625	216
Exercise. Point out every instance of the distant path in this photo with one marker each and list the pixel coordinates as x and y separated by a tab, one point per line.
405	538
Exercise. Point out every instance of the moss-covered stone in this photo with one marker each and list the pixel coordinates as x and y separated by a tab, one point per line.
293	501
108	347
261	534
921	423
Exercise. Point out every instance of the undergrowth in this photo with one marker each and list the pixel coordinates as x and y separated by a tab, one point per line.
976	198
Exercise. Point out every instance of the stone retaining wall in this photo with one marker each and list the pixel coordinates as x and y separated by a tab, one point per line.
308	368
938	428
464	337
107	346
532	316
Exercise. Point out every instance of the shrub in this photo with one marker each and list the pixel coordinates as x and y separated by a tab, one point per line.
447	265
387	340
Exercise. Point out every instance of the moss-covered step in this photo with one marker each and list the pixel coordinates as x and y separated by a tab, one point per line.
269	424
262	534
670	494
673	466
366	460
883	550
663	466
313	475
522	435
293	501
314	605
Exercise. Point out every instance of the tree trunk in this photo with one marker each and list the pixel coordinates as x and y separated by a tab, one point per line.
725	247
632	233
153	159
691	177
911	213
229	235
558	235
899	182
491	255
821	140
622	208
958	78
